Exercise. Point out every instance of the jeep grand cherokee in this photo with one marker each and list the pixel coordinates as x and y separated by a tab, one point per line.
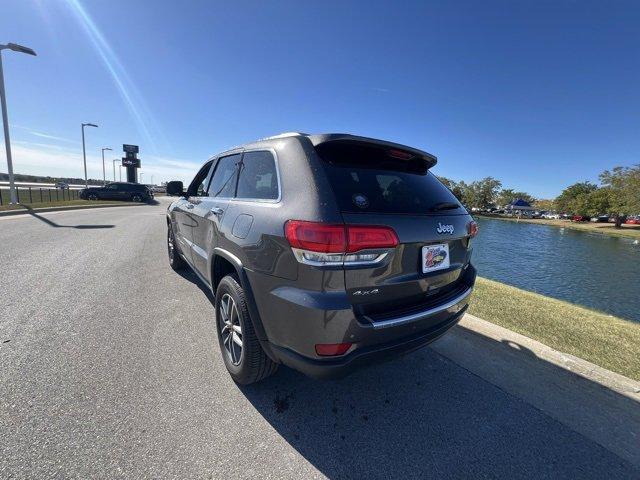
324	252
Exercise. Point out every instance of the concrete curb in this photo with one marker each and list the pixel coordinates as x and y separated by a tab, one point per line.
23	211
611	380
597	403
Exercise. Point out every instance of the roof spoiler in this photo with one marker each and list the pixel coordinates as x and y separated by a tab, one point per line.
429	159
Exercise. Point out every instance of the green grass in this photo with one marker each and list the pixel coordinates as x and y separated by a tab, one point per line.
63	204
608	341
629	231
40	195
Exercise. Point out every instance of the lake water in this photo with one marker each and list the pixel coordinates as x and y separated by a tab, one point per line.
589	269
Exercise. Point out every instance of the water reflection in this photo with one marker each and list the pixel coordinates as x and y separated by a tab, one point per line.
589	269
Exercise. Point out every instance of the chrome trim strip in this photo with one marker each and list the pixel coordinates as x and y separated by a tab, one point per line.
200	251
394	322
299	254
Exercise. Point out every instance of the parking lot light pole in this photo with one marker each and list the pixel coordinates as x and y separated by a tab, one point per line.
114	168
104	173
84	152
5	116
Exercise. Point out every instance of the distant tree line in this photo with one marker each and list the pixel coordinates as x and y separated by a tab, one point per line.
20	177
617	195
485	193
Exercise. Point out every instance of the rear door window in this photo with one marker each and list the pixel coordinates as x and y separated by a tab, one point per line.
258	178
368	178
223	183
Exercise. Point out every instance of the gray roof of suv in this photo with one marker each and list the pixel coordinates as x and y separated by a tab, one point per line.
320	138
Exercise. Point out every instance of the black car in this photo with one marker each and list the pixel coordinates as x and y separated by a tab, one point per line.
324	252
133	192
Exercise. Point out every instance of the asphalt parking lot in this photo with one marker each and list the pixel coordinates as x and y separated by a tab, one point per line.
109	368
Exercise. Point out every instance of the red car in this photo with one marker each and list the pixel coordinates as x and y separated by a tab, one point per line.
633	221
580	218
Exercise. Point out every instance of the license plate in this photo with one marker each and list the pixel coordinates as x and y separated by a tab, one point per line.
435	257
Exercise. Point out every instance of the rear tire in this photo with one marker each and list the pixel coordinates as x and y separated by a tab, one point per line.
136	198
246	363
92	197
175	258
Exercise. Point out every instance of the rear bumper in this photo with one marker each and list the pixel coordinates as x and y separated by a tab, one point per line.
295	320
339	367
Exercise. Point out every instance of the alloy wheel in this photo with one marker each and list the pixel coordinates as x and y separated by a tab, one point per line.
170	245
230	328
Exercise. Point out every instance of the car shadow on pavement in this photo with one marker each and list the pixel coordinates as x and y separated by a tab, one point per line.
189	275
51	223
425	416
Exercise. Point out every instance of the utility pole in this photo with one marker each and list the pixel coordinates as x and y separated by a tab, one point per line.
104	174
84	152
13	198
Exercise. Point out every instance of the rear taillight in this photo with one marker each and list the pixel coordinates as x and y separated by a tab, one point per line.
363	237
315	237
472	229
335	244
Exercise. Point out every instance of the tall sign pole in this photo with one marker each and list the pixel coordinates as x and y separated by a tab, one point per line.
131	161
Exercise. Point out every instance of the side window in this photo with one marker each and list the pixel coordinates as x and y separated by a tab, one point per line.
223	183
258	177
112	186
199	183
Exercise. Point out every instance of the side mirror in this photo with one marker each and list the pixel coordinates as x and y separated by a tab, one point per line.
175	188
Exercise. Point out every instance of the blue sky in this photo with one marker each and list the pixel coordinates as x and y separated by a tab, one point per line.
538	94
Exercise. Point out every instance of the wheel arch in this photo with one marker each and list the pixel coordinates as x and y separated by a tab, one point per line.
223	263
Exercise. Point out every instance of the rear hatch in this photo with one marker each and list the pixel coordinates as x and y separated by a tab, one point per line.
377	183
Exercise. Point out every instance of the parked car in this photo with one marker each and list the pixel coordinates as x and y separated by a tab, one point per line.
62	185
600	219
580	218
324	252
633	221
134	192
551	216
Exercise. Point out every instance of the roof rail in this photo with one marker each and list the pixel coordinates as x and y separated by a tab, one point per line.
285	134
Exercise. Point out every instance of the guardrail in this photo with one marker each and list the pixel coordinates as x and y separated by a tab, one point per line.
40	195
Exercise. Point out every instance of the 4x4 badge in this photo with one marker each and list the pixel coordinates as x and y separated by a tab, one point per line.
444	229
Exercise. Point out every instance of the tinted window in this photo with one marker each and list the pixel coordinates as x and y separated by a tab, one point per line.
370	179
223	183
258	178
199	183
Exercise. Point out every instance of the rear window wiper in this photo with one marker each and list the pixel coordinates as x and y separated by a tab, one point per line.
444	206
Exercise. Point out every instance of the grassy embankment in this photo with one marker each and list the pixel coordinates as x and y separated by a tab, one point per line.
64	204
630	231
608	341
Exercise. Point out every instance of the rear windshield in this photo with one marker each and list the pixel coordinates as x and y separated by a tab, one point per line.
372	179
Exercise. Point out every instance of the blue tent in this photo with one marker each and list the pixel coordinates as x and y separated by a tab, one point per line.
520	204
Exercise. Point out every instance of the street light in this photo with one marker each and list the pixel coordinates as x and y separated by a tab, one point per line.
5	116
104	174
84	153
114	168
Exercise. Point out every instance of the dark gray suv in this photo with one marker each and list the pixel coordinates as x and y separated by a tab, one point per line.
324	252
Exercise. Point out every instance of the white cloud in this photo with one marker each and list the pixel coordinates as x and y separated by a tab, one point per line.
42	134
51	137
56	161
